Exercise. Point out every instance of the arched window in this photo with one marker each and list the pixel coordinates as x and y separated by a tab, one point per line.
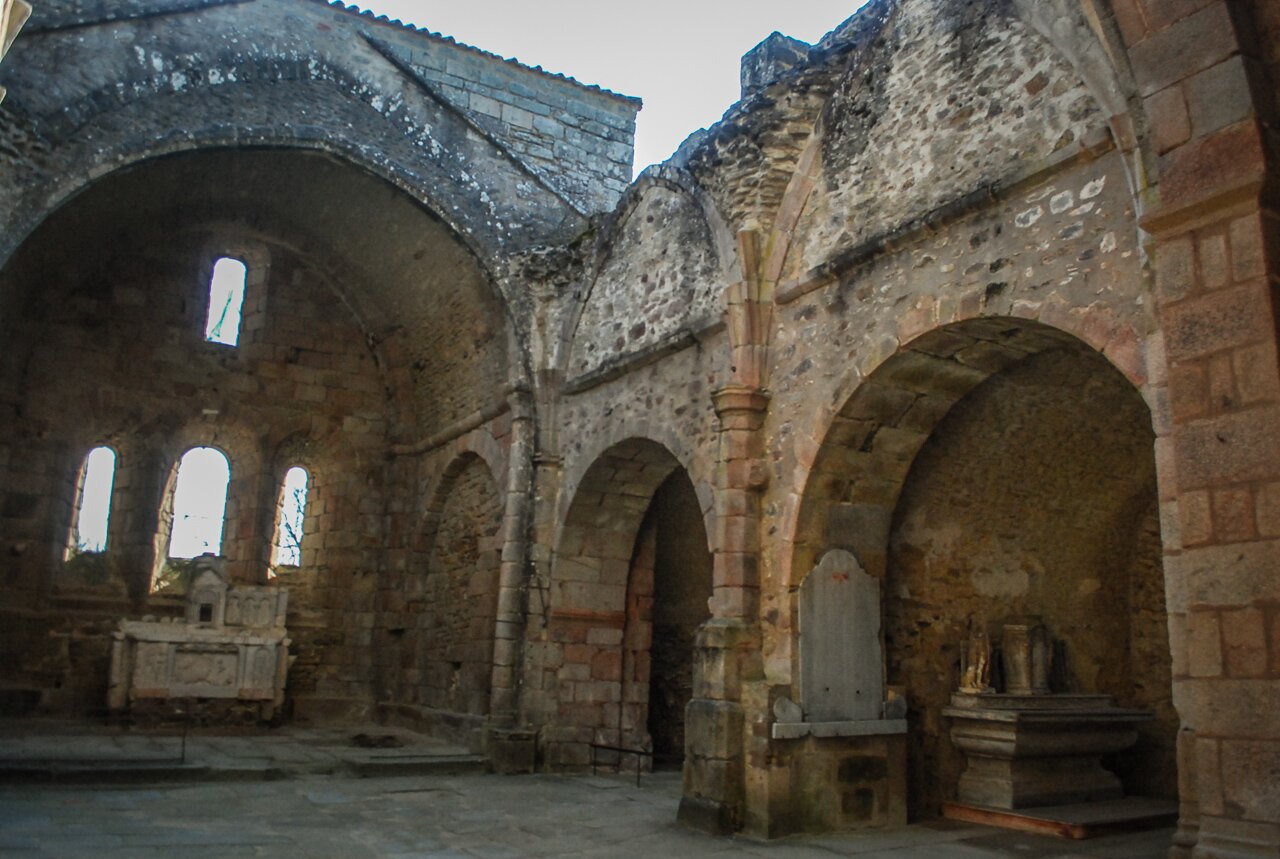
291	513
226	297
93	502
199	503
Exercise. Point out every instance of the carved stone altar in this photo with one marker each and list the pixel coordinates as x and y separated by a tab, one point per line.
231	645
1024	751
1029	747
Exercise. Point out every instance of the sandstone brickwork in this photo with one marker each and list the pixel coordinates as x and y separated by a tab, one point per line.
979	292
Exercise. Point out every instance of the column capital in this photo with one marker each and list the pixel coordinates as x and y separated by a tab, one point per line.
739	399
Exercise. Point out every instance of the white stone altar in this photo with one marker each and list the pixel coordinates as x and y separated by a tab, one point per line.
231	646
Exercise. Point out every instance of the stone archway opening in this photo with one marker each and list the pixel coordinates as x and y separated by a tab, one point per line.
991	471
667	593
631	582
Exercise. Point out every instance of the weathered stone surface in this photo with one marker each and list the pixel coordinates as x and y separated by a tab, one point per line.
978	290
841	656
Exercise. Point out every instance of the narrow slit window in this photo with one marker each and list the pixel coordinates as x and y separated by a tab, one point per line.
93	502
290	518
226	298
199	503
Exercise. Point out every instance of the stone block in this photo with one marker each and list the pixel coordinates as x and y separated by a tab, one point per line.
1248	257
1251	783
1214	270
1244	639
1175	268
713	778
1189	390
1130	21
1196	518
1210	323
713	729
1204	644
1232	575
1267	509
1170	123
1227	159
1231	448
1189	45
1219	96
1233	515
1229	707
1257	374
1209	775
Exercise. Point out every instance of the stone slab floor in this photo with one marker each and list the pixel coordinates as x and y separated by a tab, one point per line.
453	816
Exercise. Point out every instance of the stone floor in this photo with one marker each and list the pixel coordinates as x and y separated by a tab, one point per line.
69	750
312	806
453	816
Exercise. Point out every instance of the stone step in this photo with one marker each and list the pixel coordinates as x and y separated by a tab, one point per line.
1076	821
101	772
409	765
151	771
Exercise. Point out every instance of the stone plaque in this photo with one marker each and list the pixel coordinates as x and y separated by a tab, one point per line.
841	660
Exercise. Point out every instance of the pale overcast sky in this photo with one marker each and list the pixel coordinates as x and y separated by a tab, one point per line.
680	56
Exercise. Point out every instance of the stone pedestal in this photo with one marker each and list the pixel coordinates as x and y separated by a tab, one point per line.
1024	751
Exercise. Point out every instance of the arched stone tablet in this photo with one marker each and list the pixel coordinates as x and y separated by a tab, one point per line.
841	658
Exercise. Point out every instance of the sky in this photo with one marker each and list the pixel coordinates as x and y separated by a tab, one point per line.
680	56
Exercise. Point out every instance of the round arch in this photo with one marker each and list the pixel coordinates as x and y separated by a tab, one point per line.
994	469
630	582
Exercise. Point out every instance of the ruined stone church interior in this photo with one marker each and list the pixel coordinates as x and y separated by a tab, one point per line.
904	449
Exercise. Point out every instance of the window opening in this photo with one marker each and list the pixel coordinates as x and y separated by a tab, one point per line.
93	502
199	503
290	518
226	298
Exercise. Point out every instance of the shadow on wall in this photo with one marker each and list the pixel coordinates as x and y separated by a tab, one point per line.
1035	495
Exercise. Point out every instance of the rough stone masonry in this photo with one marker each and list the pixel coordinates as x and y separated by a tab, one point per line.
974	297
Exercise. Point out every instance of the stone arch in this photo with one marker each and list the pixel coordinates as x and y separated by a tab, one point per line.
625	437
409	156
606	592
34	209
973	397
954	69
440	618
685	295
890	411
478	444
468	452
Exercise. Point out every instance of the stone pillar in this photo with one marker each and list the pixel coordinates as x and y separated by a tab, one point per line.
509	622
1220	471
1207	87
727	649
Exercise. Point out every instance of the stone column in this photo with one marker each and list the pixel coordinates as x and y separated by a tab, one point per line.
727	648
509	622
1207	87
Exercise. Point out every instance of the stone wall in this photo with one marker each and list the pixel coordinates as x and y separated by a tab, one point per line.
1032	497
437	619
659	279
111	350
576	138
838	311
